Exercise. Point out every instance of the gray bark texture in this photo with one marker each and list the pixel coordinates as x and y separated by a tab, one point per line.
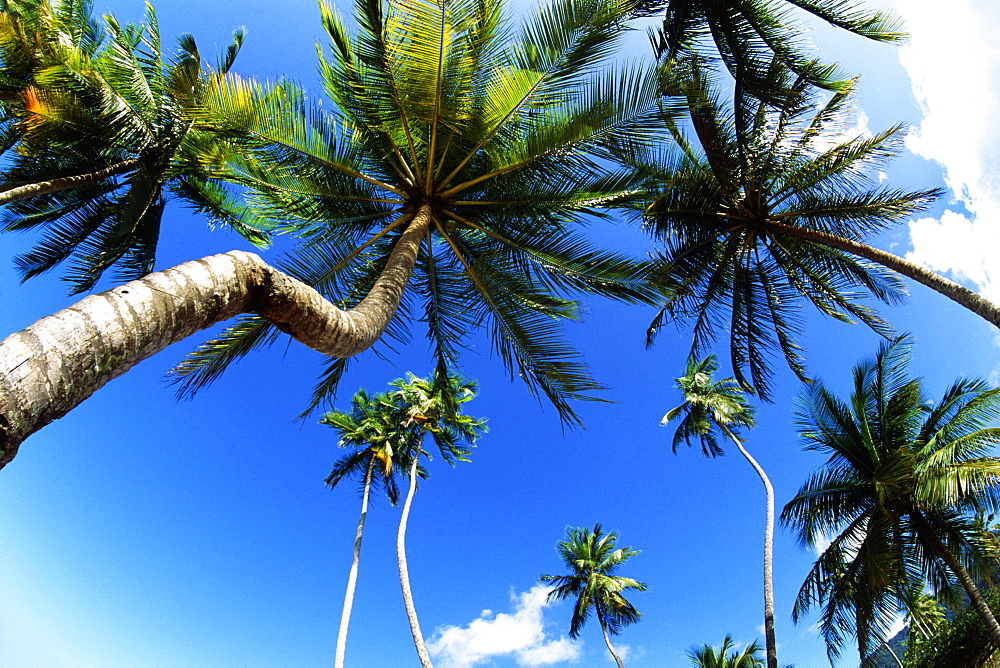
404	571
65	183
50	367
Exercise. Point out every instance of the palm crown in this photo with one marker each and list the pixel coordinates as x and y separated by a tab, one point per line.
483	146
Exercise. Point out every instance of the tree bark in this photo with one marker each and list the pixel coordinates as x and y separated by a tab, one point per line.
65	183
48	368
953	291
404	573
927	533
352	578
769	640
607	641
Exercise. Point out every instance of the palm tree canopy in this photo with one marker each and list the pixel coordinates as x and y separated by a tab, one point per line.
505	137
748	36
733	218
707	656
894	458
593	559
708	405
108	103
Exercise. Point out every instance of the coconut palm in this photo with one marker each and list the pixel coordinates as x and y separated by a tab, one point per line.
711	405
459	151
775	209
371	429
896	499
423	407
749	35
592	559
106	134
709	657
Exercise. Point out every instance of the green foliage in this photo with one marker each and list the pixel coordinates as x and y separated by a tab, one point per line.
728	215
897	465
961	641
707	656
592	559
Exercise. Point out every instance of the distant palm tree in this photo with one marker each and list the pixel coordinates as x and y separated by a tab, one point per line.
774	210
710	405
429	407
372	429
898	496
708	657
592	559
748	36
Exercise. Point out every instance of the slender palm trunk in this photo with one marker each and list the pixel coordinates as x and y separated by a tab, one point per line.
769	641
47	369
607	641
66	182
927	533
352	578
404	573
960	295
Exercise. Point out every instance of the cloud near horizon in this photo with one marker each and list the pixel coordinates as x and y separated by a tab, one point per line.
520	634
953	59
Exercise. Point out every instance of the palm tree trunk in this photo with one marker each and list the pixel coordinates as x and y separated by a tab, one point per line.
769	640
404	573
927	533
66	182
607	641
352	578
48	368
960	295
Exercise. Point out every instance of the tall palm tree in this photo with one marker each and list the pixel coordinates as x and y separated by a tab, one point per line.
459	151
749	35
106	133
508	133
775	208
898	495
710	405
372	429
592	559
432	407
707	656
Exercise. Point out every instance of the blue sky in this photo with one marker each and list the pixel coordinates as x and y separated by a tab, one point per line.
139	531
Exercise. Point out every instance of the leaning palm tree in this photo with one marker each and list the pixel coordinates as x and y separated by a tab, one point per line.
710	405
432	407
898	495
707	656
372	429
592	559
774	209
749	35
460	151
106	134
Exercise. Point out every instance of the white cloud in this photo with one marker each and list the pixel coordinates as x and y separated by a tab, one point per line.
953	59
520	634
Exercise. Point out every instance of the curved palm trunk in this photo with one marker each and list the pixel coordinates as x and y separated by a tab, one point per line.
352	578
48	368
927	533
404	573
960	295
769	641
607	641
66	182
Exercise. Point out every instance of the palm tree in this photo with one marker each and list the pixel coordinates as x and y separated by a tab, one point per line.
592	559
482	116
897	495
775	209
371	428
424	407
710	405
458	151
106	133
748	36
708	657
